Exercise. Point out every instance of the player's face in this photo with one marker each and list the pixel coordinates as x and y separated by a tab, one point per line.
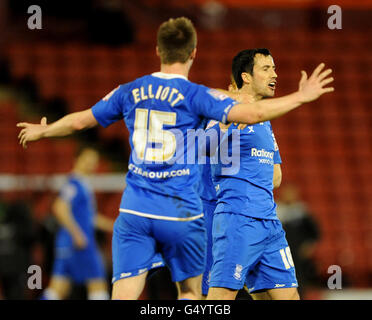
264	77
90	160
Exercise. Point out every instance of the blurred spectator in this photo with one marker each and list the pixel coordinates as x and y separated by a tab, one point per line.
17	235
302	234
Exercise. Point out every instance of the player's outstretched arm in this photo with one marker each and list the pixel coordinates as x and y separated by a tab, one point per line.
63	127
309	90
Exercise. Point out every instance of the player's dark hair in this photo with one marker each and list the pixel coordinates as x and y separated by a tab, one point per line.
244	62
176	40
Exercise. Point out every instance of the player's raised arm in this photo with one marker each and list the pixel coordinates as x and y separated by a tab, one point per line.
309	90
63	127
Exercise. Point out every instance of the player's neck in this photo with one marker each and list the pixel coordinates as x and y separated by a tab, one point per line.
247	90
176	68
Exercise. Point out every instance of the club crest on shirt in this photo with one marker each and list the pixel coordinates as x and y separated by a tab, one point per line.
238	272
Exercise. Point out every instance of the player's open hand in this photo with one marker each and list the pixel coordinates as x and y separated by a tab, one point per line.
80	240
31	132
313	87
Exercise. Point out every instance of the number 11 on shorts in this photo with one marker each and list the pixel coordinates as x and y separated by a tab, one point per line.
287	257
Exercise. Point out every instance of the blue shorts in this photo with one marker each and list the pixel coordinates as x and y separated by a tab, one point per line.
208	209
138	242
79	266
250	251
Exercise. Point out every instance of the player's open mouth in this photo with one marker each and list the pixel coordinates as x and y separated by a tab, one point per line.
272	85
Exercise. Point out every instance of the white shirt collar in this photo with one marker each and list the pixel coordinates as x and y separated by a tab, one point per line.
168	75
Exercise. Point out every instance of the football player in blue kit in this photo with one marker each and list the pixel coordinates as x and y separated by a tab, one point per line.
208	197
249	245
77	257
161	210
207	189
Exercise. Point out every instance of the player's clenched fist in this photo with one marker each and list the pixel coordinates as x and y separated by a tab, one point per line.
31	132
313	87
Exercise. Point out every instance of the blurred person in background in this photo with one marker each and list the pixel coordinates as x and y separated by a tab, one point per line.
160	209
77	258
17	237
302	234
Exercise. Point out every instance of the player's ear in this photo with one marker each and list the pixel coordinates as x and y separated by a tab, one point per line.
193	54
246	77
157	51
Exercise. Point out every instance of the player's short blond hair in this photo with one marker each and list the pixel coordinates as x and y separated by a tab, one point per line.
176	40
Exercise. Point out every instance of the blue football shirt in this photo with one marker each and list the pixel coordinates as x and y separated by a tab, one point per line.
248	190
78	194
161	111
